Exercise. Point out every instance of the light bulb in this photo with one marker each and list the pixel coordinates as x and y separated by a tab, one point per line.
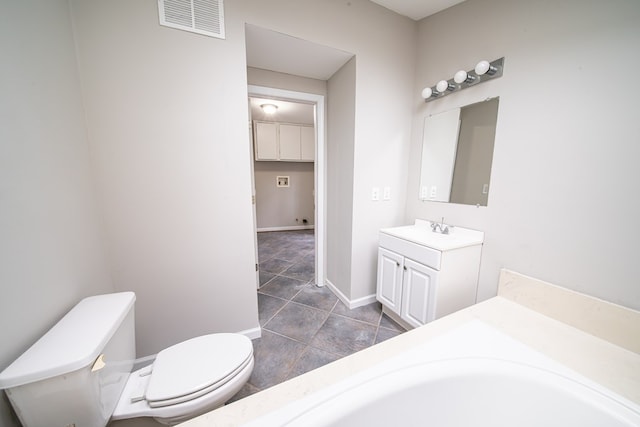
269	108
427	92
443	86
484	67
460	76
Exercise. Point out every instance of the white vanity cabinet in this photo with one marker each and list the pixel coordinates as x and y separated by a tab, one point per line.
424	275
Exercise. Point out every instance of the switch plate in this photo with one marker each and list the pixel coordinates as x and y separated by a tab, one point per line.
375	193
386	193
485	188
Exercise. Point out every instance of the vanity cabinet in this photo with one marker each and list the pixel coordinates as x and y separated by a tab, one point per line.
284	142
424	275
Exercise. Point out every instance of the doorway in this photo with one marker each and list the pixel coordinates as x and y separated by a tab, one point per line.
317	103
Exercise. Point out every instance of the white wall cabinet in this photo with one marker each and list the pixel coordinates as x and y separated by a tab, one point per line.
424	275
284	142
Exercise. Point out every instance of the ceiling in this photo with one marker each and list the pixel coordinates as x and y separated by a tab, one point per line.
280	52
417	9
274	51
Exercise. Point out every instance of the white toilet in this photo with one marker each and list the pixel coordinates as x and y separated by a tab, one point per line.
79	373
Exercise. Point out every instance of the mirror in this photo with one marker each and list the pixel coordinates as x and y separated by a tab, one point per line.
457	151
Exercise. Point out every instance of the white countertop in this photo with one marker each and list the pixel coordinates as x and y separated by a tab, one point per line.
616	367
422	234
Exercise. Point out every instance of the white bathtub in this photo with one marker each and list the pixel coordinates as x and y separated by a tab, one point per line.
473	376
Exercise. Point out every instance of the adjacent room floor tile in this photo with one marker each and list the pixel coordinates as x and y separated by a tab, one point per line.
265	276
385	334
282	287
275	265
268	306
344	336
318	297
304	270
310	359
368	313
274	356
388	323
297	321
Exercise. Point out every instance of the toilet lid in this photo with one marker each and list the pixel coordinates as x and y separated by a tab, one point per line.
196	364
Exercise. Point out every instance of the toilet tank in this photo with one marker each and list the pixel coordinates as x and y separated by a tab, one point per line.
75	373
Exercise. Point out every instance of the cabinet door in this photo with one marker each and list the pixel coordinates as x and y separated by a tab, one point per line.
389	289
418	293
266	141
289	142
307	143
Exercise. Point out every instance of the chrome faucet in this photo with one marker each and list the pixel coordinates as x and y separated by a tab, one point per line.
444	229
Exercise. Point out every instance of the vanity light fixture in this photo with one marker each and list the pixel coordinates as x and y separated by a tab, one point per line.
269	108
483	71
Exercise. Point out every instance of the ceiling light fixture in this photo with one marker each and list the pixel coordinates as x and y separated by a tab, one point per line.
269	108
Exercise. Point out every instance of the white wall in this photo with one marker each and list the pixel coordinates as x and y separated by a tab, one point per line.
340	136
561	206
280	207
51	250
167	114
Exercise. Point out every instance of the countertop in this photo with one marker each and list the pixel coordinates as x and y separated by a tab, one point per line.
582	333
422	234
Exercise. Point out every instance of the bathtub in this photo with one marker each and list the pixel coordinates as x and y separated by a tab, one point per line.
471	376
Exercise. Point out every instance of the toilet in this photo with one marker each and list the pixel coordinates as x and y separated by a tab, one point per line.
80	373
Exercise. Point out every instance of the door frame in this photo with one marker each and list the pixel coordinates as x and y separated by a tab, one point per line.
319	167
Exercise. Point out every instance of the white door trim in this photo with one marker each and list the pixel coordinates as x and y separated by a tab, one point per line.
320	163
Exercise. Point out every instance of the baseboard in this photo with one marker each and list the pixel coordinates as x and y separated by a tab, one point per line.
359	302
252	333
286	228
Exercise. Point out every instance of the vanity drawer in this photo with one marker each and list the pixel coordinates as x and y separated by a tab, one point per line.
422	254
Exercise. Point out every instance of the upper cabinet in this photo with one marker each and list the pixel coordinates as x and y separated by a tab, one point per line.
284	142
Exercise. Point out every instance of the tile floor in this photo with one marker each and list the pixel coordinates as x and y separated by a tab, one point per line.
304	326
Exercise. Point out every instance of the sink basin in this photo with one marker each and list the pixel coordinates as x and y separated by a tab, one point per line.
421	233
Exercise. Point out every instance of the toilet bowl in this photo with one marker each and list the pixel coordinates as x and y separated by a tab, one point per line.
79	373
188	379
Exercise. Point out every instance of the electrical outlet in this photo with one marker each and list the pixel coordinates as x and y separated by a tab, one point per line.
424	192
386	193
434	192
375	194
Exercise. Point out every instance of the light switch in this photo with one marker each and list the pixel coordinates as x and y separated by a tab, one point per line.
485	188
375	193
386	193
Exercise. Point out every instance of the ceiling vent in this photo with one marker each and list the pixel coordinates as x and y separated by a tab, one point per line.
197	16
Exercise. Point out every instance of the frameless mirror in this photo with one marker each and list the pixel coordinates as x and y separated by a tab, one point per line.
457	151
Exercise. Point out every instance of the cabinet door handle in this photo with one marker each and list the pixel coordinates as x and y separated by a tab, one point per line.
397	264
405	268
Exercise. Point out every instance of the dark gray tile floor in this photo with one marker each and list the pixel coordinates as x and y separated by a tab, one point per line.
304	326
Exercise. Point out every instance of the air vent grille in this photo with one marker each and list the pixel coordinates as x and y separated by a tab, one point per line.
198	16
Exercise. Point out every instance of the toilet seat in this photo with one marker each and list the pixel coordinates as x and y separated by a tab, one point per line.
205	372
195	367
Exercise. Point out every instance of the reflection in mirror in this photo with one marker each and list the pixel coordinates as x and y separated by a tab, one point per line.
457	151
